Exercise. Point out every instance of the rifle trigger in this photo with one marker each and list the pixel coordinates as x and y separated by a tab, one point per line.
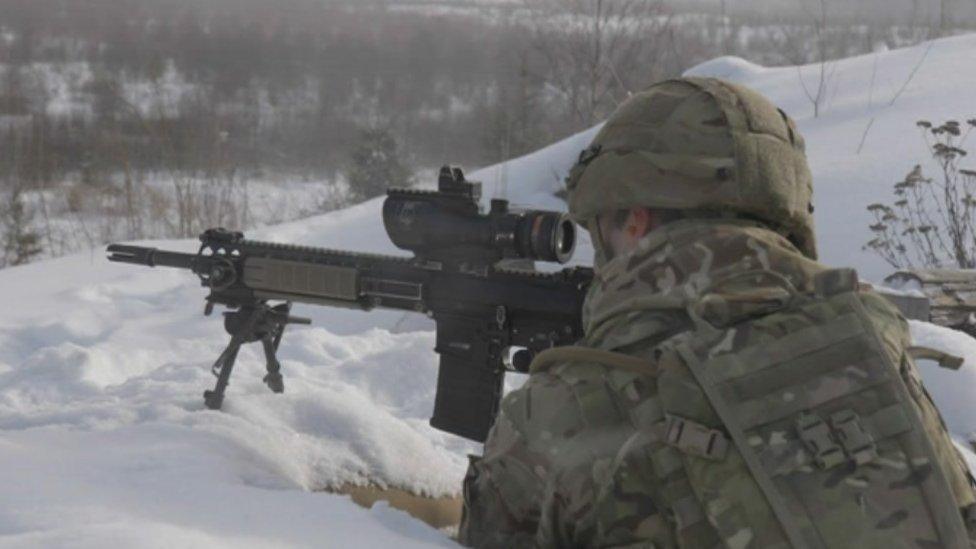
500	316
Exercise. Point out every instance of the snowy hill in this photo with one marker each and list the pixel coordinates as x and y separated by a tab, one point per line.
104	440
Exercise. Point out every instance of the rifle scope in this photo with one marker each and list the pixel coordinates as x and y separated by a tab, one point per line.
447	225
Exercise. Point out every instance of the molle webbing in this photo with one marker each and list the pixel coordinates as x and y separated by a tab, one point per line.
798	538
829	395
786	458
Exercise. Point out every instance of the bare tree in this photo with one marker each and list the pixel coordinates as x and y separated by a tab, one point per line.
730	30
817	93
943	17
595	52
513	114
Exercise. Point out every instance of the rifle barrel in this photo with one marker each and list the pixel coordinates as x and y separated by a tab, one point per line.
151	257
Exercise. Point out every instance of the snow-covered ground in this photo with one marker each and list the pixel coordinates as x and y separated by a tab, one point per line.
104	440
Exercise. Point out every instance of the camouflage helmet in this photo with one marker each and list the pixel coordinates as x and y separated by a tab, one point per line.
699	144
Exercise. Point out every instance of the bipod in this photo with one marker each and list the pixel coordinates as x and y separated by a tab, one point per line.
250	323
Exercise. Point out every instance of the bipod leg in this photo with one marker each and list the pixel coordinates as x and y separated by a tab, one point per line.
224	365
273	379
278	317
283	315
222	368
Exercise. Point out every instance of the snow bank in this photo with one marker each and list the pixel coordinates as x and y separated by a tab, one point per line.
117	347
163	484
103	437
729	68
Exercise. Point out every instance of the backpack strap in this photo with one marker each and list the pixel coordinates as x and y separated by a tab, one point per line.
571	353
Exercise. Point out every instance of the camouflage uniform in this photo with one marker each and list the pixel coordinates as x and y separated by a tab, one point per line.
619	443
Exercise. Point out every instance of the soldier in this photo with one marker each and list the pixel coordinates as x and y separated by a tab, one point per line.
730	391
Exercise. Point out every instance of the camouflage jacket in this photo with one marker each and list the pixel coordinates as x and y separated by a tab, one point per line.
569	461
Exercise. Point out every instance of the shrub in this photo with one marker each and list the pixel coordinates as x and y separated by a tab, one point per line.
932	220
20	242
375	164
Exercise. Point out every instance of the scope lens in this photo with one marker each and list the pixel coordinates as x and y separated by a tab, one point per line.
565	240
551	237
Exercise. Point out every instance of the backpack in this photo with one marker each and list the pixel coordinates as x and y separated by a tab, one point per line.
799	420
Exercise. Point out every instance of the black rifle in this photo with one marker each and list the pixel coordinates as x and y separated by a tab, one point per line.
489	318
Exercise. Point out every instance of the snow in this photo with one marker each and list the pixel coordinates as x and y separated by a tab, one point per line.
728	67
105	437
140	487
104	440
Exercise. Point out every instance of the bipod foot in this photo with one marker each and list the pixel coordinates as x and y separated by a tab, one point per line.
275	382
213	399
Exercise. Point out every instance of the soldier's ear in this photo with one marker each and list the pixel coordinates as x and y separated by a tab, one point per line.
639	222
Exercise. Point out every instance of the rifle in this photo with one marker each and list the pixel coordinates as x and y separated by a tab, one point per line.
490	319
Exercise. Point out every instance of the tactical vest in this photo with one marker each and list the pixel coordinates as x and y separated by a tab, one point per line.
799	420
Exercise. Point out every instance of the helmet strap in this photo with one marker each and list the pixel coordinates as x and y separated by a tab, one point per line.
602	251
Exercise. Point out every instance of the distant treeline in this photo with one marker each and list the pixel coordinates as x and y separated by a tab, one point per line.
261	84
95	87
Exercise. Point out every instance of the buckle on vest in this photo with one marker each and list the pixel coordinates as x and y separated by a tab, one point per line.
858	444
816	437
694	438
